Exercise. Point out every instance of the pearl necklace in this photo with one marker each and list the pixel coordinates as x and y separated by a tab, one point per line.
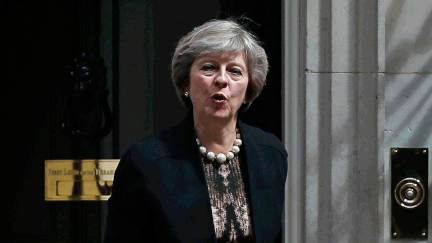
221	157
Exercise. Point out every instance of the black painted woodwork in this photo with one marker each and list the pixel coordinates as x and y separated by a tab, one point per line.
39	38
264	19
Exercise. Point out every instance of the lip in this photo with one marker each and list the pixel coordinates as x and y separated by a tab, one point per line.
219	98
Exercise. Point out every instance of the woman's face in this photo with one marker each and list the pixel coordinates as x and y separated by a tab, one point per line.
218	83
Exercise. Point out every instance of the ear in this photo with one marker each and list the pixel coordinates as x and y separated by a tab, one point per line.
186	87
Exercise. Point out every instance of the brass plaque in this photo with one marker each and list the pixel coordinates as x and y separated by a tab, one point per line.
79	180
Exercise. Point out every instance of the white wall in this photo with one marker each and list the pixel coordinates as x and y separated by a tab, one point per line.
342	83
367	87
408	88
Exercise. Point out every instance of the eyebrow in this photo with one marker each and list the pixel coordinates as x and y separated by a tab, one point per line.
215	60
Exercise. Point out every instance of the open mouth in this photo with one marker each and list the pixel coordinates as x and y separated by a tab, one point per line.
218	98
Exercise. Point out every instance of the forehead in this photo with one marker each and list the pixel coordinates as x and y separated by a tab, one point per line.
235	57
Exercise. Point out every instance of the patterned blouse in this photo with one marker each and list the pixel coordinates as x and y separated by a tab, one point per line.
229	203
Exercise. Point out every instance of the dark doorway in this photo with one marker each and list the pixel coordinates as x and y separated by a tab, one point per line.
39	38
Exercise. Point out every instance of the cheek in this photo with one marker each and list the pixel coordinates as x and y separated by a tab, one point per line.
199	89
197	85
241	89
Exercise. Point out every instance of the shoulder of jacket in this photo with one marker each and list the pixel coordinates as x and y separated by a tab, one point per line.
264	139
168	142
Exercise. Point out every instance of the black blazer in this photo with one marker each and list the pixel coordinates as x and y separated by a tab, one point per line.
160	192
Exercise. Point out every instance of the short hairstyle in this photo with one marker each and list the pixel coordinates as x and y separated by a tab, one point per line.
216	36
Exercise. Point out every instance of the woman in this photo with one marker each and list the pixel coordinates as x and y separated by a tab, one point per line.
212	178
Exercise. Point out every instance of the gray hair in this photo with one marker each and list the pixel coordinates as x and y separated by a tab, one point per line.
216	36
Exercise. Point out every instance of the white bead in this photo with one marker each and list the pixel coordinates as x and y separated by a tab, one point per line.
198	141
221	158
202	149
238	142
230	155
211	156
236	149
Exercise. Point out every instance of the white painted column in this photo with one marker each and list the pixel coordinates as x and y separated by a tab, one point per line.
365	86
292	118
331	126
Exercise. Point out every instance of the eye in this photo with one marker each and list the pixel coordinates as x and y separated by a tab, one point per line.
236	71
208	67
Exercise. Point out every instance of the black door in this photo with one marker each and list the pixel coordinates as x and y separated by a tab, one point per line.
39	38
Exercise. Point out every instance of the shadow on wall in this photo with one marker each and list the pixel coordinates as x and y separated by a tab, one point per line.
408	79
409	90
346	181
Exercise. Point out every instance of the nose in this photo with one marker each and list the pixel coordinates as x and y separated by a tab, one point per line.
221	80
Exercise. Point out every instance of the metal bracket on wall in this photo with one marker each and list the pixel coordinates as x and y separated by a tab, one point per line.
409	193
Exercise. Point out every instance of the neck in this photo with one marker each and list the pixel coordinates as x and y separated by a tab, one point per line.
217	135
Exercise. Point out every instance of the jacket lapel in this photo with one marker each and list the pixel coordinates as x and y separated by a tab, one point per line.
254	161
188	139
188	131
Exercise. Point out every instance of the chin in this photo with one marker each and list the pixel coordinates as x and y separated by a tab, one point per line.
223	115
